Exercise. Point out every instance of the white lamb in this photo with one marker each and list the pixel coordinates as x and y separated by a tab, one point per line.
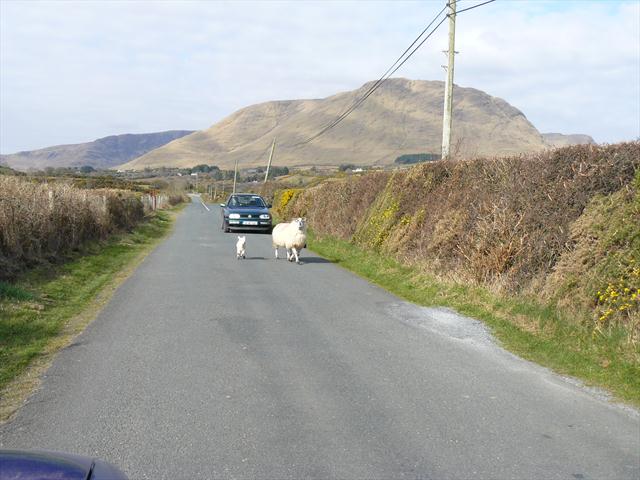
241	246
292	236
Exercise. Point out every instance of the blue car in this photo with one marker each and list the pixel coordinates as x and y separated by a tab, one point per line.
246	211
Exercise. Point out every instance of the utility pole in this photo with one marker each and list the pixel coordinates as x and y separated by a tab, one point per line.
273	146
235	176
448	88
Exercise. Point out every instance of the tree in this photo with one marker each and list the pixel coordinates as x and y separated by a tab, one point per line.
411	158
203	168
346	166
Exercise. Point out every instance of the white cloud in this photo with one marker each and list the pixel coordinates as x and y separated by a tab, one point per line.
75	71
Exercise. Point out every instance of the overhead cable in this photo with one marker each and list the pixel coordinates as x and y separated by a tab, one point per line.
391	70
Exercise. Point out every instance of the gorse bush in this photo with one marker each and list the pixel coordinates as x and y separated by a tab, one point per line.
41	222
520	225
621	300
282	199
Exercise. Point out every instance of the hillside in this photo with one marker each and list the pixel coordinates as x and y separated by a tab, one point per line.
403	116
560	140
103	153
4	170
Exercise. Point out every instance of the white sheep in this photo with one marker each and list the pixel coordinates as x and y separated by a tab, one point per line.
292	236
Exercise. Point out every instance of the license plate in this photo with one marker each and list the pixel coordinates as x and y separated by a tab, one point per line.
250	222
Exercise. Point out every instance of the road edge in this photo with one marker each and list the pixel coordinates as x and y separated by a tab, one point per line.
18	391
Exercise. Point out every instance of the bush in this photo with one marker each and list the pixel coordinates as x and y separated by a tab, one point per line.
175	200
124	212
42	222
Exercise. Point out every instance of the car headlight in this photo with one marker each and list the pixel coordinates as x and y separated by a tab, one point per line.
265	216
234	215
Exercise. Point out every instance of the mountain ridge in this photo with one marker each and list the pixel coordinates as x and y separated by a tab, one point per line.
403	116
105	152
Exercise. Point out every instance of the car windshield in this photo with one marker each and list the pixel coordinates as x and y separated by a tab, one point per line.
246	201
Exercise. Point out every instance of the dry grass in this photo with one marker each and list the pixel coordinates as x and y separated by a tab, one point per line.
42	222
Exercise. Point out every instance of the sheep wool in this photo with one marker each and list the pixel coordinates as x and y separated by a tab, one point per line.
292	236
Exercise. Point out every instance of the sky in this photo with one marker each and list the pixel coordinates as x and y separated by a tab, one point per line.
72	72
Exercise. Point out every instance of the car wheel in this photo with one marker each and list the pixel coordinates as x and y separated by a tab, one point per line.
225	227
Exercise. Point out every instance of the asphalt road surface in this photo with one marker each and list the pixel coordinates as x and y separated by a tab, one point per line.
204	366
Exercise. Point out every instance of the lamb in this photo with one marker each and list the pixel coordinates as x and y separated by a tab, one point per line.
241	247
292	236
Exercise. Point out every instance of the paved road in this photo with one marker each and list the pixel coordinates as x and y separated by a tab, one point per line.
203	366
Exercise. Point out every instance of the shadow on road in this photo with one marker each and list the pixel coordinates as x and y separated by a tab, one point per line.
314	260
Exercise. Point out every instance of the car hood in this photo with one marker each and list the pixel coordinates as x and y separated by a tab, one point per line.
249	210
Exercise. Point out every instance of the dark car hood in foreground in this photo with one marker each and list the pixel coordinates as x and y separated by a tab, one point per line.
39	464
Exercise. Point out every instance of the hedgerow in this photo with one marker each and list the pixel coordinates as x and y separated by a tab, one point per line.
42	222
519	225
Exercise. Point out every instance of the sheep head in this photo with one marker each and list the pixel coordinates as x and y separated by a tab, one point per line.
301	223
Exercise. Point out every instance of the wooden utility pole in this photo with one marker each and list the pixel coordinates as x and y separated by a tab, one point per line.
273	147
448	88
235	176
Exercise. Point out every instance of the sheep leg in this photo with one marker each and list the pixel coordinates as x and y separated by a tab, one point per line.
276	248
295	253
289	254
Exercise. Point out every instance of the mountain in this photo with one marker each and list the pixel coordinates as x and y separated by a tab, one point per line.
561	140
103	153
401	117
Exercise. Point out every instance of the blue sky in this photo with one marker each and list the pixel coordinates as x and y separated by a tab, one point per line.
75	71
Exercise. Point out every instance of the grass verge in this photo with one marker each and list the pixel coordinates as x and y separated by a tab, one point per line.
537	332
46	308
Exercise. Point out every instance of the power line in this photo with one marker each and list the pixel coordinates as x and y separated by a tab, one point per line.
381	79
390	71
475	6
